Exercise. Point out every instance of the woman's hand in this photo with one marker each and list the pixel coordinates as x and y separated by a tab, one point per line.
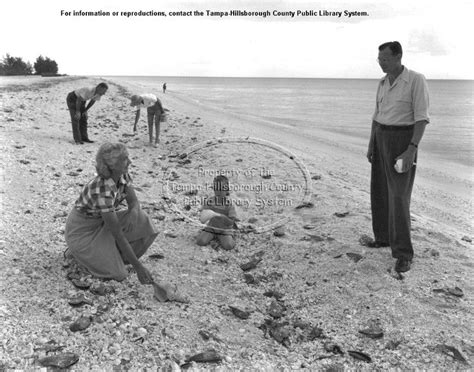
77	115
144	275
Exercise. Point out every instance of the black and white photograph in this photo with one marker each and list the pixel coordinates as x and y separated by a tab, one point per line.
236	185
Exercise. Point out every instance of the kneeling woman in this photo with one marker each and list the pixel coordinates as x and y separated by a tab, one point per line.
99	235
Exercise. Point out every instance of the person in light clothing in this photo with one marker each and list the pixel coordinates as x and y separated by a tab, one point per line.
154	110
100	233
398	124
76	103
219	215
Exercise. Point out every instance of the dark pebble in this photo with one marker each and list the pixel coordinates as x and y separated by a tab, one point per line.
63	360
80	324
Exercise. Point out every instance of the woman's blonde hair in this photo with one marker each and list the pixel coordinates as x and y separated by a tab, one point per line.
107	158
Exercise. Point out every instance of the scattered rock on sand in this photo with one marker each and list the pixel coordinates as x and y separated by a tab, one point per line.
209	356
62	361
279	231
315	333
273	293
80	324
250	279
80	284
452	352
239	313
456	291
392	344
365	240
372	332
331	347
305	205
252	264
356	257
453	291
313	237
434	252
360	355
79	300
280	332
100	289
276	309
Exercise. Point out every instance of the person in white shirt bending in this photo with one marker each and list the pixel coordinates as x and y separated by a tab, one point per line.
154	110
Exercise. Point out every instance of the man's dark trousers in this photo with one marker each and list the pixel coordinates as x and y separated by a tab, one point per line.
391	191
79	127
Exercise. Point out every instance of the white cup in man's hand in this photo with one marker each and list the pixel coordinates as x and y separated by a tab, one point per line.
399	166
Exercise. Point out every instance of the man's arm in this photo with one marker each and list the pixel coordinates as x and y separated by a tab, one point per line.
370	151
91	103
418	132
162	111
409	155
420	103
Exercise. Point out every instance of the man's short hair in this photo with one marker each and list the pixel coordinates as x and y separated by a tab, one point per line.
394	46
103	86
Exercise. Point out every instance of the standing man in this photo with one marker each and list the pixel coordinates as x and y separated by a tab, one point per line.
76	103
164	88
398	124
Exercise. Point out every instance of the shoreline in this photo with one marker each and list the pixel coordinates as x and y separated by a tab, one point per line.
437	190
310	264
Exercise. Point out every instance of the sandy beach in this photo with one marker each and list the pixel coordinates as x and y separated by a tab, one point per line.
328	285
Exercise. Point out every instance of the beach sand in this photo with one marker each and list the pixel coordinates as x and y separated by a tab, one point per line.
322	286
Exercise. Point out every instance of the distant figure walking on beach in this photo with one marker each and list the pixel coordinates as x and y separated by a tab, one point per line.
102	237
76	103
164	88
398	124
154	110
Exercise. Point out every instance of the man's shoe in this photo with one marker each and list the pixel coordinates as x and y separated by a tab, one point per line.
79	143
402	265
88	141
377	244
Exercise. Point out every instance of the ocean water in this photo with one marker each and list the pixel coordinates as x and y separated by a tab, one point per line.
333	105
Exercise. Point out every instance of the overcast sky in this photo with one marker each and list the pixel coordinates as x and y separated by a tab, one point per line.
436	36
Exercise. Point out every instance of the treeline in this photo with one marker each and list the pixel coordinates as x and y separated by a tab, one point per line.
16	66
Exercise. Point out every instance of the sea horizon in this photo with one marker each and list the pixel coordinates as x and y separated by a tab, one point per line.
324	104
259	77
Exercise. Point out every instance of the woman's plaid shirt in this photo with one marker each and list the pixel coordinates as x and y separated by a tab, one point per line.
102	195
